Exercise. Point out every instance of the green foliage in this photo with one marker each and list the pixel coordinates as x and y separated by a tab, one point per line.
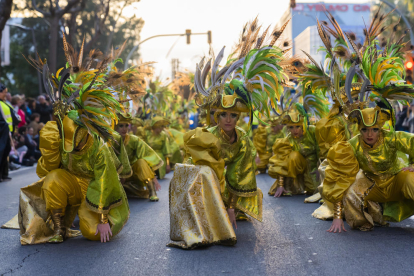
20	77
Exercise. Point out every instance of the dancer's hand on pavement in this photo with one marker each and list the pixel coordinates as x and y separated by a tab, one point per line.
104	230
168	168
279	192
232	217
337	226
408	169
157	184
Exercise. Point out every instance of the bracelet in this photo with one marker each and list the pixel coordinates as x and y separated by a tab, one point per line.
280	183
338	210
104	218
168	161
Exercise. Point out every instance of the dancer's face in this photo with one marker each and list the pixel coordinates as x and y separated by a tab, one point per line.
277	128
227	121
297	131
122	129
370	135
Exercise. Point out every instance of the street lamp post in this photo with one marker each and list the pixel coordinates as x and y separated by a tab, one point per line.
188	33
39	77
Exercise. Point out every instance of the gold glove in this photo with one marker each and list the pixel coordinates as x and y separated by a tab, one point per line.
338	210
104	218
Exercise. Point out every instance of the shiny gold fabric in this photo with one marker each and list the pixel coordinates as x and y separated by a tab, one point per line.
49	146
210	147
61	189
198	216
144	161
34	221
203	148
136	185
293	157
263	141
85	179
173	137
359	211
137	149
239	159
381	163
330	131
160	144
326	210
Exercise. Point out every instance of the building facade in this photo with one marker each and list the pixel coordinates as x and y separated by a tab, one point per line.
302	30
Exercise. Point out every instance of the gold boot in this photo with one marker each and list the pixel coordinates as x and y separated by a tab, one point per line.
152	192
59	231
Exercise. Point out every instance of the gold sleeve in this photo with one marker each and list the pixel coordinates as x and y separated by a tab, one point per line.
405	144
204	149
49	145
328	132
260	139
341	171
285	161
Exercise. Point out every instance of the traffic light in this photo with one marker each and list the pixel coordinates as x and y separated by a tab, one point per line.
209	37
409	64
188	34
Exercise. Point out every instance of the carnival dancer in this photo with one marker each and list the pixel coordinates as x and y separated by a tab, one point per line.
158	140
295	161
264	140
367	170
78	170
144	161
210	193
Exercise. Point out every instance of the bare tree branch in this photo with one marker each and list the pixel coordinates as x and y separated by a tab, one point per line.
99	26
111	35
71	4
46	14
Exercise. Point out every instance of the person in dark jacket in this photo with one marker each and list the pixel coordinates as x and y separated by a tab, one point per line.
44	109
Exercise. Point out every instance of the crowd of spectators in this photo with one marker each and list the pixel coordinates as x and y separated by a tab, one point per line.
21	119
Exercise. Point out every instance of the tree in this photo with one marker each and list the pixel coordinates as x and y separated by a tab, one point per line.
54	15
104	25
5	11
19	76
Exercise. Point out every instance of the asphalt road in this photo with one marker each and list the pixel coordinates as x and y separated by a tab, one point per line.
288	242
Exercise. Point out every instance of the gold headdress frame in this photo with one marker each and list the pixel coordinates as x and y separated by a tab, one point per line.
369	117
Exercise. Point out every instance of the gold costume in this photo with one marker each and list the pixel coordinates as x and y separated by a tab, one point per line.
176	140
143	160
198	215
263	141
161	145
330	131
297	159
381	179
84	182
240	175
